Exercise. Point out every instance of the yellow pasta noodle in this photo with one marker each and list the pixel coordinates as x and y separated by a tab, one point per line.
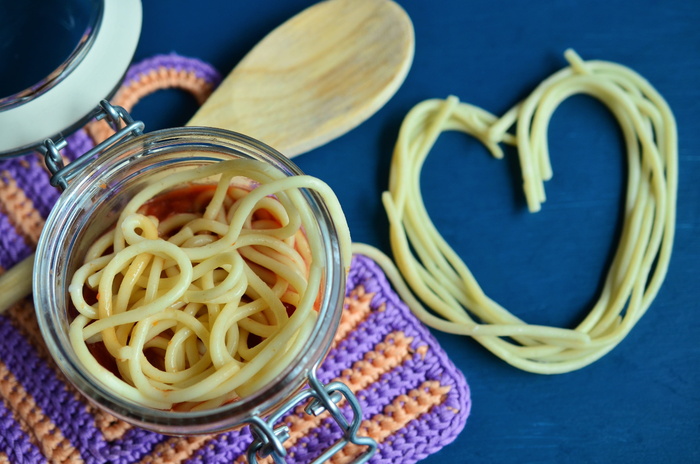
443	282
207	287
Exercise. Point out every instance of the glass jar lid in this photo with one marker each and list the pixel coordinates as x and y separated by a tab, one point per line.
63	58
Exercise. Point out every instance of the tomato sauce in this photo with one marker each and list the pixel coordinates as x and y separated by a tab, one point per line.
192	199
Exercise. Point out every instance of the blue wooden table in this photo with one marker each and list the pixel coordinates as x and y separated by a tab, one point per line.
641	402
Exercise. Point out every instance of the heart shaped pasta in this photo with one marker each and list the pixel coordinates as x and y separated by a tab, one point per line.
437	275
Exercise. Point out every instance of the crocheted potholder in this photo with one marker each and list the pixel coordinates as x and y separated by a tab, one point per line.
414	400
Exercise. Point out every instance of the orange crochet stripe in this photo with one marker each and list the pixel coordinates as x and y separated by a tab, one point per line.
357	308
111	427
397	415
175	450
392	352
162	78
42	432
19	209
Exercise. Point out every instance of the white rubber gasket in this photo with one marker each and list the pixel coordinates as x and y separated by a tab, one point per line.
79	93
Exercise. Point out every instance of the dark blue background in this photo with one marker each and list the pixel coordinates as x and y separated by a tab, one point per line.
640	403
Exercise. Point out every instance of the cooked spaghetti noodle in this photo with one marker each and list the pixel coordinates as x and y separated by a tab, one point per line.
437	275
203	293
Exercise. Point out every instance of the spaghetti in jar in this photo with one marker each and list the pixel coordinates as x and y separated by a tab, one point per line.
192	278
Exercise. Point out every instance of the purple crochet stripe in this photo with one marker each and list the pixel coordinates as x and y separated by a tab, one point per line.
14	443
79	143
61	406
172	61
416	441
131	448
13	248
400	380
223	449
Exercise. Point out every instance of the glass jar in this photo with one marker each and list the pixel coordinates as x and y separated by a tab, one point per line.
93	200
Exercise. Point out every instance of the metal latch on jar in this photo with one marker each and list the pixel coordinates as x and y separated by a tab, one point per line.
268	439
116	117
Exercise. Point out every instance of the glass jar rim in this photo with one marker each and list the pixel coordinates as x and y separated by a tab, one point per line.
51	258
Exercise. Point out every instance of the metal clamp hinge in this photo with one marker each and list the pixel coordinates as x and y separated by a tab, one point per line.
117	117
269	440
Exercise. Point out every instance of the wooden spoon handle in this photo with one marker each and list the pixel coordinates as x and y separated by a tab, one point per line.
16	283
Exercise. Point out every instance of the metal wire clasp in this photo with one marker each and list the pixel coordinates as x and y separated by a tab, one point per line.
269	440
116	117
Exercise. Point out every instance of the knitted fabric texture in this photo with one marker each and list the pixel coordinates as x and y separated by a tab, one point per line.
414	400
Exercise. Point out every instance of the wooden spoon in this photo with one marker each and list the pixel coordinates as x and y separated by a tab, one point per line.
314	78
